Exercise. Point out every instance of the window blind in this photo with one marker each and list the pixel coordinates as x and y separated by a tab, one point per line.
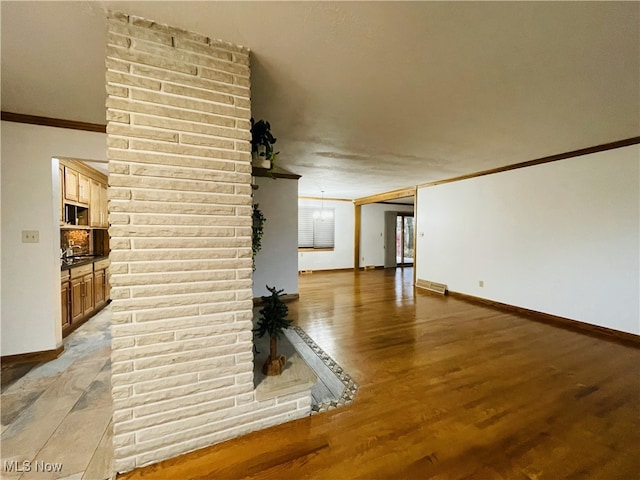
316	227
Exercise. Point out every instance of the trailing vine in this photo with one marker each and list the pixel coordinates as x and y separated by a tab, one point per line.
258	228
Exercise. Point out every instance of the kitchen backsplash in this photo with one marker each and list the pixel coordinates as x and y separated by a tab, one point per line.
81	238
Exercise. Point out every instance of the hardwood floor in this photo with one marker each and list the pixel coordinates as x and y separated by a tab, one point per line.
448	390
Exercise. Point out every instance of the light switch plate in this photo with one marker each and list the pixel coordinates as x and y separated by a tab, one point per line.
30	236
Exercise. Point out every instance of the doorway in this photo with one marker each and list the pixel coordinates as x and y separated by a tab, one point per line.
404	239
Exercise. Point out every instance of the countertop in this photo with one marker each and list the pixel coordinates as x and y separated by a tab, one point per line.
80	260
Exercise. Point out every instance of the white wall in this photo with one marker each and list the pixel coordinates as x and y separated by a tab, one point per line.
561	238
342	255
277	261
372	245
31	271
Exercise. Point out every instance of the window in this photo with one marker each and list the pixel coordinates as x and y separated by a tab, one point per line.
316	227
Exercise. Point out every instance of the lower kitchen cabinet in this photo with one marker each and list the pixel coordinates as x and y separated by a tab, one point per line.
65	299
87	296
84	291
76	300
100	287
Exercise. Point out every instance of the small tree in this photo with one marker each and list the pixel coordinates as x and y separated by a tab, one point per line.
273	321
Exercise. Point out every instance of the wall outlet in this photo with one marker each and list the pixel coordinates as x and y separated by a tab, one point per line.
481	283
30	236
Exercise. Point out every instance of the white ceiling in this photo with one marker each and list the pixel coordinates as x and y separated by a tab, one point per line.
368	97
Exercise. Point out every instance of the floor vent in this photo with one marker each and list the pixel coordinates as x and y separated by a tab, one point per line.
305	272
440	288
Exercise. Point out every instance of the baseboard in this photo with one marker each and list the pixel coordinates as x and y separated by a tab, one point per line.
33	357
628	339
286	298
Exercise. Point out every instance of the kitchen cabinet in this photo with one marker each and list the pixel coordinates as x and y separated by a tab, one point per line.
82	300
84	291
65	299
83	195
70	184
98	205
104	208
101	283
88	298
94	205
99	288
77	305
84	189
107	290
77	187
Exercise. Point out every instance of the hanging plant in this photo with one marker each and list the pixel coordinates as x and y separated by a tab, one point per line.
258	228
262	142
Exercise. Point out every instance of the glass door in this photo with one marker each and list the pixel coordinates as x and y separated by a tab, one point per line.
404	239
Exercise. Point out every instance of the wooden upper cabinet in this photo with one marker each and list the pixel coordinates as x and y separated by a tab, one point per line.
98	215
77	187
70	184
95	219
81	186
84	189
104	205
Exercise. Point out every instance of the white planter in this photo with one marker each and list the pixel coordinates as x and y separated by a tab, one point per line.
260	162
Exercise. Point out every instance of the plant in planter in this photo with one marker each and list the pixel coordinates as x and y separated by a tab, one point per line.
262	142
272	321
257	232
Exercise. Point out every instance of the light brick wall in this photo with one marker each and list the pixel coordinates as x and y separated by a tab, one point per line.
178	112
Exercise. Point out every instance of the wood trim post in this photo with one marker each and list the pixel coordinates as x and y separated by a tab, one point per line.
356	237
415	234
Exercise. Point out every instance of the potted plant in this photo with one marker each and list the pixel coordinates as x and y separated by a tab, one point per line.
262	142
273	321
257	232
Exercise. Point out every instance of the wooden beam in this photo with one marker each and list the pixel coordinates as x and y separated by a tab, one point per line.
53	122
381	197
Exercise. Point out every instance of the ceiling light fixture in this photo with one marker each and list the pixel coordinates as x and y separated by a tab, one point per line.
322	214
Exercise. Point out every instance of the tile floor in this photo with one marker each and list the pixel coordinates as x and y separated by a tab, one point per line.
335	387
57	416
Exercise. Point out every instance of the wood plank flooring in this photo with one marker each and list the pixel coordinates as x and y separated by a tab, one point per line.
448	390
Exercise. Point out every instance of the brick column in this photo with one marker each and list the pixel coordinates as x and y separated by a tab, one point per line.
178	112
